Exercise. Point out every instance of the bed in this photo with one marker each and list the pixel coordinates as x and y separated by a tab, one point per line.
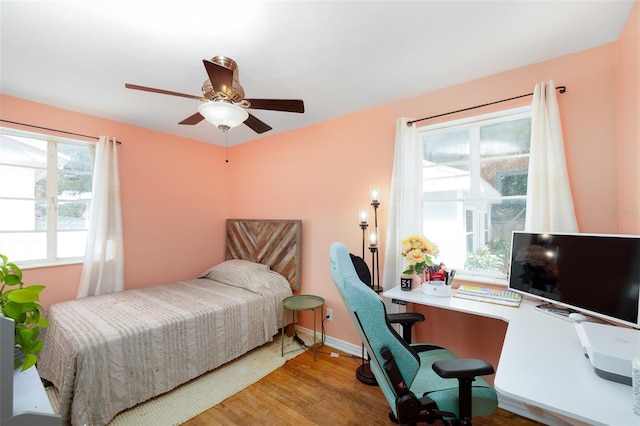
108	353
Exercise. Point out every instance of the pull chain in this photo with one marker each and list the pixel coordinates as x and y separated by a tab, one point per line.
226	146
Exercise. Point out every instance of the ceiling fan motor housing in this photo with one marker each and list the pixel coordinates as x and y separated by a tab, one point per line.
235	92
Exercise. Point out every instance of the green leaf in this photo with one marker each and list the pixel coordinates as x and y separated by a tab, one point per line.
37	346
22	295
29	361
36	333
16	270
30	320
12	311
26	336
29	308
35	288
4	259
12	279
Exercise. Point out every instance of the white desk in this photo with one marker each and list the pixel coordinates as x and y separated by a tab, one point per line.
542	363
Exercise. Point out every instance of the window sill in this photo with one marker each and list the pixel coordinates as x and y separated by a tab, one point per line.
482	279
48	264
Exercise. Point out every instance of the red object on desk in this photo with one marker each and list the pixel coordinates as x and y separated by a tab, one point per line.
435	276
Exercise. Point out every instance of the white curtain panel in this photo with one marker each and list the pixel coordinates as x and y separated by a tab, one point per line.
103	269
405	200
549	201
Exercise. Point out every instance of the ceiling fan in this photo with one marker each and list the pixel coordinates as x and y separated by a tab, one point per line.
223	102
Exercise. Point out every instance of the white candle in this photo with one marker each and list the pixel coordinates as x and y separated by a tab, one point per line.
373	240
375	193
363	216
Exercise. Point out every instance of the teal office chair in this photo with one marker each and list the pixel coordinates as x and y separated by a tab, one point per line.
421	382
406	319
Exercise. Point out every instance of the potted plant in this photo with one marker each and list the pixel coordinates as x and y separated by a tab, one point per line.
20	303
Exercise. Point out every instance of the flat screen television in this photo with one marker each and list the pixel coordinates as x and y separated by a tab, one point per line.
595	274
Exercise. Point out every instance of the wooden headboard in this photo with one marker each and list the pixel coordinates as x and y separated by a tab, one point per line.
277	243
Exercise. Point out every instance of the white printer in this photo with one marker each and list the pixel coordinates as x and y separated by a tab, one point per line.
610	349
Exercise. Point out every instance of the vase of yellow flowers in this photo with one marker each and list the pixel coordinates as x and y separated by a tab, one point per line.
419	252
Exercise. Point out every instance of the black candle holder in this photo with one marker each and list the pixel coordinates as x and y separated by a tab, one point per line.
363	226
363	372
375	254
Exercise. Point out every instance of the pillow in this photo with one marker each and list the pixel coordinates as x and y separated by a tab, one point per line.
233	266
252	276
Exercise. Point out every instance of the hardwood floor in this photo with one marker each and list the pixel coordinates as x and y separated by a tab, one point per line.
322	393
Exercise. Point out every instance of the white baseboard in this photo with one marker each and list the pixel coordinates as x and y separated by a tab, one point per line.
341	345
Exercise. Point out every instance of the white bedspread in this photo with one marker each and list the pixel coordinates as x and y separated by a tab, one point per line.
108	353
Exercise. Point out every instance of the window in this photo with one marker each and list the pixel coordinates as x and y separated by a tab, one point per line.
45	197
475	188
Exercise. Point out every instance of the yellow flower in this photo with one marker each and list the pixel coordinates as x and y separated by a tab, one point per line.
418	250
416	256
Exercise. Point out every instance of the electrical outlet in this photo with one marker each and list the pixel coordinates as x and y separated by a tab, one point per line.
329	315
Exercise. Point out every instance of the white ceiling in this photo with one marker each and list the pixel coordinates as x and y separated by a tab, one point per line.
338	56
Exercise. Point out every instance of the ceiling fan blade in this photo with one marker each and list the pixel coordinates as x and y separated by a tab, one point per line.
257	125
221	78
163	92
287	105
193	119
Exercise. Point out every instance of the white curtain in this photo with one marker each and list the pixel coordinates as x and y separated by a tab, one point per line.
405	200
549	202
103	269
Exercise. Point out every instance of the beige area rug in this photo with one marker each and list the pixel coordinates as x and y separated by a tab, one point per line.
200	394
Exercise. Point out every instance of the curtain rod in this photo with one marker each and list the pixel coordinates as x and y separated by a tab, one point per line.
560	89
54	130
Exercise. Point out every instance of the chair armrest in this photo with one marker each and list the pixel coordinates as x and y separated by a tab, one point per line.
465	370
460	368
405	318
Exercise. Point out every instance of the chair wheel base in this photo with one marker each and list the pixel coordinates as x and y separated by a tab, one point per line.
364	374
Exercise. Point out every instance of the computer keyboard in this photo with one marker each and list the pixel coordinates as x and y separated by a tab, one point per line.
490	295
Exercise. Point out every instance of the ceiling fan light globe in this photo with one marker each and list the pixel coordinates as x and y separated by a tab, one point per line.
223	115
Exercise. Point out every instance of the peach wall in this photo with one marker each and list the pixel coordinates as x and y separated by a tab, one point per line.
321	173
174	200
629	124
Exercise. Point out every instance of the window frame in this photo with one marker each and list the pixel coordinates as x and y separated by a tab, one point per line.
52	199
474	162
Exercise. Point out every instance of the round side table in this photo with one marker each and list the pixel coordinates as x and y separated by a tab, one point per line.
302	302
